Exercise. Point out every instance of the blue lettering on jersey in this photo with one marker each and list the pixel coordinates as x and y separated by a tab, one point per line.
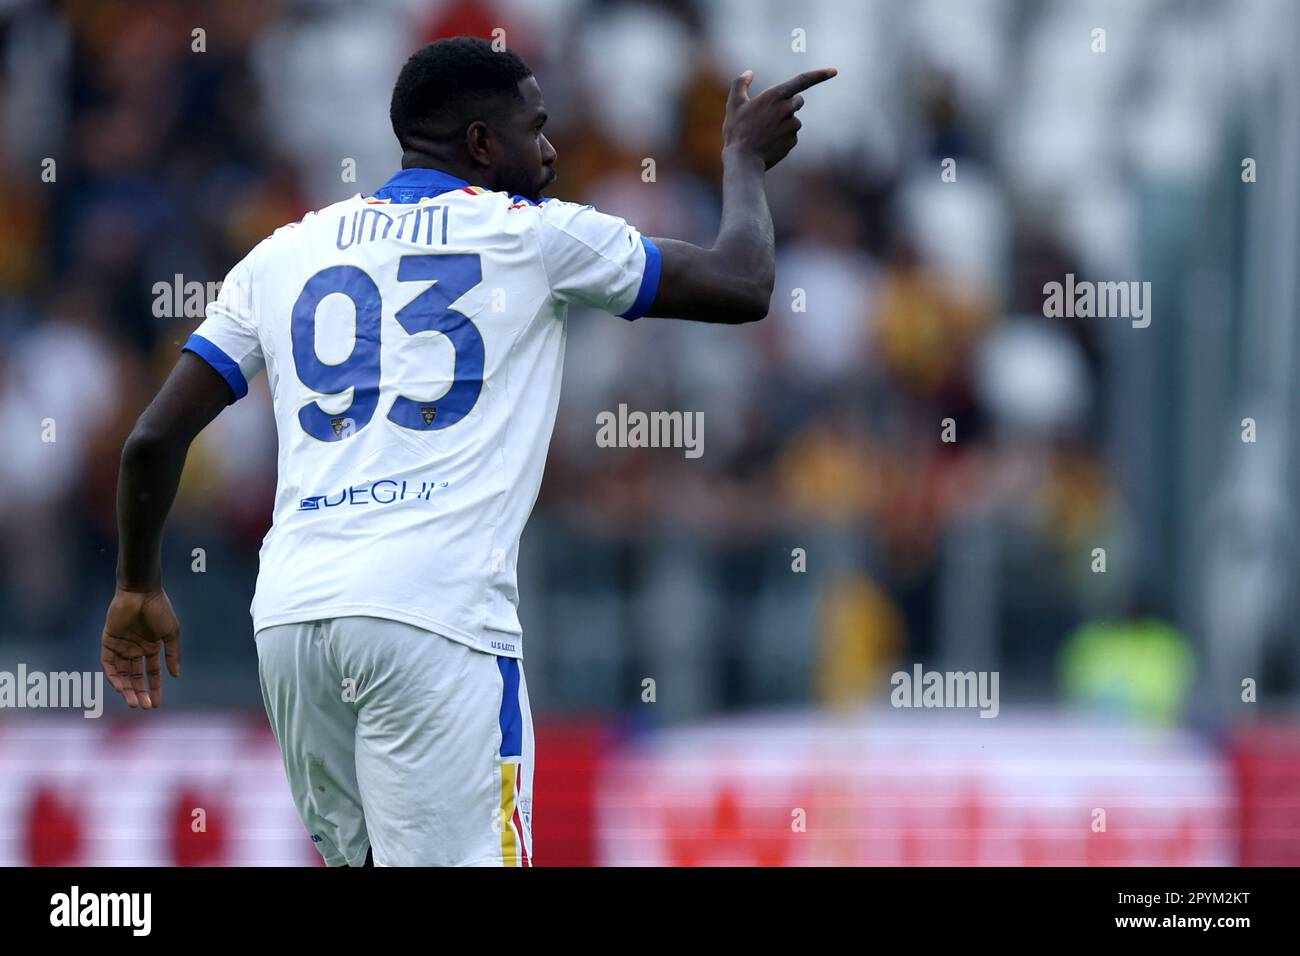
450	275
373	222
359	371
385	491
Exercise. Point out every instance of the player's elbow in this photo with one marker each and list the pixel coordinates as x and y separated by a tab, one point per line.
754	300
141	447
743	297
754	312
149	441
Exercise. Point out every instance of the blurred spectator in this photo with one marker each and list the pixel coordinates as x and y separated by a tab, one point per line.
1138	669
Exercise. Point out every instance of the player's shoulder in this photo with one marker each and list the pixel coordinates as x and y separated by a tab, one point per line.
571	217
551	207
512	213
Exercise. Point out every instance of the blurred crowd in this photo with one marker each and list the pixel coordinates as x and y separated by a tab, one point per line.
906	461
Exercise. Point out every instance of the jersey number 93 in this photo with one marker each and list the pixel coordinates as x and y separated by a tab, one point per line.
451	275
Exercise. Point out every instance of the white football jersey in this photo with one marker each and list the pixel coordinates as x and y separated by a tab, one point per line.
413	341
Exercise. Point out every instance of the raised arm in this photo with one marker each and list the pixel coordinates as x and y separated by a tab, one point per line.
732	281
141	626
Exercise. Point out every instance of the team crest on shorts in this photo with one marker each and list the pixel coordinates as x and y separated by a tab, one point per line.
427	412
337	424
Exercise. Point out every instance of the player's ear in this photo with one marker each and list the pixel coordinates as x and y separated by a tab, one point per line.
478	140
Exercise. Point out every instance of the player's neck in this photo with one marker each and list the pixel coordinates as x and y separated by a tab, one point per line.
416	159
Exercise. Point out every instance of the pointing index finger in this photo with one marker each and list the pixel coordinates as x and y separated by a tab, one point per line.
797	84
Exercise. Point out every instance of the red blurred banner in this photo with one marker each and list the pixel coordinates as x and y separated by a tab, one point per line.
794	789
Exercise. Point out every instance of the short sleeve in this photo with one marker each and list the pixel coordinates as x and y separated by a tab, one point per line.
227	339
597	260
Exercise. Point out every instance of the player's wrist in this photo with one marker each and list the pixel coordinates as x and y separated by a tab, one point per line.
737	155
143	584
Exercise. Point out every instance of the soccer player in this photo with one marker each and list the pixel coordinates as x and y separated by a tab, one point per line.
413	340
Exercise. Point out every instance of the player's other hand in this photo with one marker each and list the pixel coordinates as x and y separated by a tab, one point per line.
766	125
140	629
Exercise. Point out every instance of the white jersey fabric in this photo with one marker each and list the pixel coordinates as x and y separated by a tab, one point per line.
414	343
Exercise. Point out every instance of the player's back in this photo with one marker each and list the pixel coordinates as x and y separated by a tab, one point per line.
414	344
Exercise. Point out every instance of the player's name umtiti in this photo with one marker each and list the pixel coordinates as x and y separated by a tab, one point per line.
418	225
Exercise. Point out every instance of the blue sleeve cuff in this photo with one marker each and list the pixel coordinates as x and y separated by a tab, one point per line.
645	295
226	367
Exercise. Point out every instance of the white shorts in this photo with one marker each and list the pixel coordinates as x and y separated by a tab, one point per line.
402	741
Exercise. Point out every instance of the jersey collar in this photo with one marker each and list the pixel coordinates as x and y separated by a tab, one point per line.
412	185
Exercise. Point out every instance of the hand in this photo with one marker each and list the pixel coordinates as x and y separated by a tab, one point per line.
766	125
139	627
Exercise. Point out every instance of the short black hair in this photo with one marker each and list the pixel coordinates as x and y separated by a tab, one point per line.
448	84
